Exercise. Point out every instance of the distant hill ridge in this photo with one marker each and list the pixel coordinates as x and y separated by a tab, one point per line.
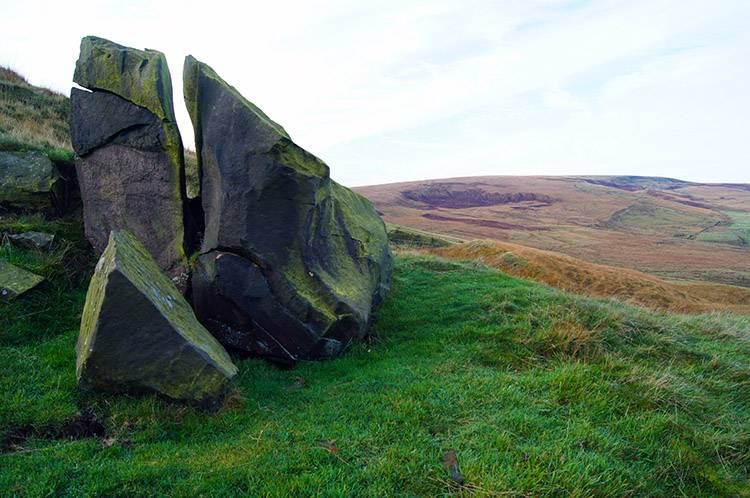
665	227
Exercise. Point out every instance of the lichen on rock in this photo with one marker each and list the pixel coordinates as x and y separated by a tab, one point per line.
139	334
292	261
15	281
131	166
29	180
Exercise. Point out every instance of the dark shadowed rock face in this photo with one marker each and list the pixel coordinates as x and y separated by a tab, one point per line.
139	334
130	165
292	261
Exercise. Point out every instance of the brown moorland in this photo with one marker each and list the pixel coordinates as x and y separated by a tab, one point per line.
676	230
581	277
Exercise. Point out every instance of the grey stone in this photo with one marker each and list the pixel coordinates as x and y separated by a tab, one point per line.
130	166
139	334
15	281
293	262
29	180
33	240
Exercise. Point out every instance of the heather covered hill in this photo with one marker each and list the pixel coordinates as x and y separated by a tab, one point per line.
669	228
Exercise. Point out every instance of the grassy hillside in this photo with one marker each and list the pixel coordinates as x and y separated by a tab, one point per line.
671	229
539	392
31	117
580	277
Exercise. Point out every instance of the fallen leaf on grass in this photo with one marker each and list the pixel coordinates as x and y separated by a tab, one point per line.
450	462
329	446
112	441
299	383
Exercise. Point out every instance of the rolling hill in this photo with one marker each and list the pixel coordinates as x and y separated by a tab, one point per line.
672	229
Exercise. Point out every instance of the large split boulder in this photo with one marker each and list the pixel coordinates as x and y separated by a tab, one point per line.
29	180
292	262
139	334
130	166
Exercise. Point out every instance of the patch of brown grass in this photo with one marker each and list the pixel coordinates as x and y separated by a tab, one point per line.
580	277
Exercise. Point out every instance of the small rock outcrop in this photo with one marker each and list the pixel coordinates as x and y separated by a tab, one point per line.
292	262
139	334
130	166
29	180
15	281
32	240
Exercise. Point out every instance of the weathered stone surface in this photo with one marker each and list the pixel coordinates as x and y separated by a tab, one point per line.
29	180
15	281
32	240
140	76
130	167
293	262
115	121
139	334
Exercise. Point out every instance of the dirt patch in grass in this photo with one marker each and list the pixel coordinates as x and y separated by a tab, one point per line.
85	424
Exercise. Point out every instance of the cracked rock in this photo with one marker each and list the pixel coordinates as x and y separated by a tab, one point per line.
292	261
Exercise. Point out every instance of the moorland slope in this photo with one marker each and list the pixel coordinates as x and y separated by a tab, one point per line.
668	228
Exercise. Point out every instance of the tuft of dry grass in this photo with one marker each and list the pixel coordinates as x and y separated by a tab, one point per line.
573	275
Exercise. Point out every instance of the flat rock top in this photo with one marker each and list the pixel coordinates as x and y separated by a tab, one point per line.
140	76
14	281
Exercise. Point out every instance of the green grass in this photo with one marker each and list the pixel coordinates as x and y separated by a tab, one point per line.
540	393
738	233
740	224
405	237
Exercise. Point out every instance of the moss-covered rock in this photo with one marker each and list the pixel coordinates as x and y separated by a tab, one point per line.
29	180
15	281
139	334
140	76
131	167
292	260
32	240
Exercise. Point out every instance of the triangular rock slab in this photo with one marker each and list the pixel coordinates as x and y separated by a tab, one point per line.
139	334
15	281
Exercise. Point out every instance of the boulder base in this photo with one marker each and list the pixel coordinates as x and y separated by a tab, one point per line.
139	334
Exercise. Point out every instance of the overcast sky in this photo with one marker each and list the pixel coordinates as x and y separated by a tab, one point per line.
388	91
